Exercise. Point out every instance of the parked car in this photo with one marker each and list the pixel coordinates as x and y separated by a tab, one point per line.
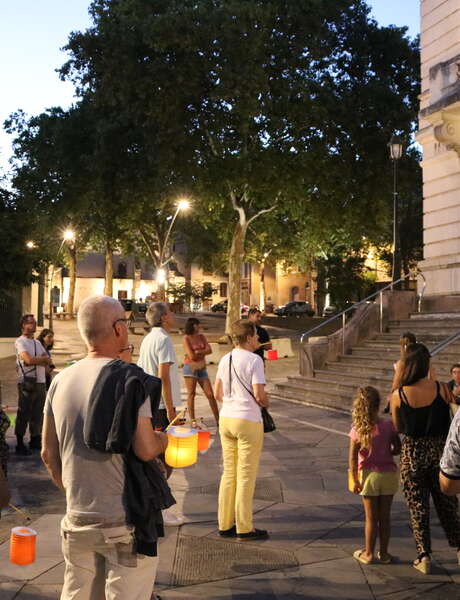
295	309
222	307
330	310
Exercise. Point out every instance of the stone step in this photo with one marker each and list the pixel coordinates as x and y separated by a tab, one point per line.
310	396
435	315
391	354
379	380
425	324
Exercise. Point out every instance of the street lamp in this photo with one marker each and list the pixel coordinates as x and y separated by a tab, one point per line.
67	236
395	146
30	245
162	276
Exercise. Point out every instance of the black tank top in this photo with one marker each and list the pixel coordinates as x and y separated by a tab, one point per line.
425	421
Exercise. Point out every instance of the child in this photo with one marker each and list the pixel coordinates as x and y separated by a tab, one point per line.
373	472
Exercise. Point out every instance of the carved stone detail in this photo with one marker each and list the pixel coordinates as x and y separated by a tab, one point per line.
448	132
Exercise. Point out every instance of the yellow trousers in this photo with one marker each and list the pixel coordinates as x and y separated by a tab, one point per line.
242	443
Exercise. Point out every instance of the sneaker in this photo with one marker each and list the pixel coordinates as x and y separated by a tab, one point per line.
257	534
172	520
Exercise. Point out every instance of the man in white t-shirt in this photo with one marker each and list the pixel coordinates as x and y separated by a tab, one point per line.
31	360
158	357
97	543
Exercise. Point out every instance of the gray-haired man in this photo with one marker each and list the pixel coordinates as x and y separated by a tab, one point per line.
158	357
98	545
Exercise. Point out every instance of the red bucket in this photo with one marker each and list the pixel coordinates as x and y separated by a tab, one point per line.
204	437
22	545
272	355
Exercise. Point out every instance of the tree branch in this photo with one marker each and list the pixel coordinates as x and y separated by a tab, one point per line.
149	249
264	211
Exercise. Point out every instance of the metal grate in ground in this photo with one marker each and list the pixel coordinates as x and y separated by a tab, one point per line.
268	488
203	559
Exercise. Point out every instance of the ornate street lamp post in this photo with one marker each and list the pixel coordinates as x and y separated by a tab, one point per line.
395	146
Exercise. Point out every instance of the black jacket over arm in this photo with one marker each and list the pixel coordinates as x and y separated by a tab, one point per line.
120	390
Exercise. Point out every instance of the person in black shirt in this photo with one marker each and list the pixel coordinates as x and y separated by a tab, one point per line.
255	316
454	383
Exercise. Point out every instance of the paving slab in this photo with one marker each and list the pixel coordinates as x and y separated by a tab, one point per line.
48	551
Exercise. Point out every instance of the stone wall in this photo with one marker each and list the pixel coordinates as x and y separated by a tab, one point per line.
439	134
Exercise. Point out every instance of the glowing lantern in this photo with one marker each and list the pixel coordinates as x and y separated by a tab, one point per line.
204	438
22	545
182	450
272	355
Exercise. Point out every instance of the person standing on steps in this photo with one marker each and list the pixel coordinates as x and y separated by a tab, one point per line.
31	362
454	383
255	316
420	410
196	349
158	357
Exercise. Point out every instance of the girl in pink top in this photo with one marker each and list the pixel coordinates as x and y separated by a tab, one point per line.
373	472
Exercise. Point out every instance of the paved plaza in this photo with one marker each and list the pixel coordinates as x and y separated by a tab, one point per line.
315	524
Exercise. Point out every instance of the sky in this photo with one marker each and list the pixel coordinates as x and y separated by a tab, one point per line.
32	33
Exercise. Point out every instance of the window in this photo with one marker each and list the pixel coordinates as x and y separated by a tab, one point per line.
294	293
223	290
207	289
122	270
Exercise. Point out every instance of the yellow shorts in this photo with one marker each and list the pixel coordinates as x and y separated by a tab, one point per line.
379	484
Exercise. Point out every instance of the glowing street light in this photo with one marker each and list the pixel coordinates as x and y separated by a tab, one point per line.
30	245
183	204
67	236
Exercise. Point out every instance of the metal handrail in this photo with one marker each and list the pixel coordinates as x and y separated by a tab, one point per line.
343	314
445	343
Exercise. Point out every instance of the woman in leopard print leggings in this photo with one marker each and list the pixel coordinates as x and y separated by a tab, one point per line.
420	410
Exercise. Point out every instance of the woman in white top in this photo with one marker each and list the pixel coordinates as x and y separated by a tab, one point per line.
240	387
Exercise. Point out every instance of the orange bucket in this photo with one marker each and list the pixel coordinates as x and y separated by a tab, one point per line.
272	355
204	437
22	545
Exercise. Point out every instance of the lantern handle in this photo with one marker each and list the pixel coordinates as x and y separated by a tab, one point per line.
178	416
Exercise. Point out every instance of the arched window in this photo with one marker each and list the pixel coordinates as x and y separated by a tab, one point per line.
223	289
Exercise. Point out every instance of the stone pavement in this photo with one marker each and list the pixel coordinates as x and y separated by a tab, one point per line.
301	498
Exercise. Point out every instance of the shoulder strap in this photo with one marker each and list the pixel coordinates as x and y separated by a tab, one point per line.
33	369
403	396
249	391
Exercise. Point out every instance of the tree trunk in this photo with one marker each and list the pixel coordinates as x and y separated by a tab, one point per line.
108	284
72	278
234	276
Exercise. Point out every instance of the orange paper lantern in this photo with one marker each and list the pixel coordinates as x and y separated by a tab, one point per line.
22	545
272	355
204	438
182	450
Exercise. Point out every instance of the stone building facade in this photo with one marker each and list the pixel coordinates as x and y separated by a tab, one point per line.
439	134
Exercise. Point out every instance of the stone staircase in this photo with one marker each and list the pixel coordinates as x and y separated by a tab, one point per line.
371	363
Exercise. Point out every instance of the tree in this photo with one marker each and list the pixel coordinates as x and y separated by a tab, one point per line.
18	263
263	106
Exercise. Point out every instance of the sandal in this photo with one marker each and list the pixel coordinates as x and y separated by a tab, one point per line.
385	561
357	556
423	565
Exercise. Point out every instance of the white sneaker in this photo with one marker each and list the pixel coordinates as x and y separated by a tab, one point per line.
172	520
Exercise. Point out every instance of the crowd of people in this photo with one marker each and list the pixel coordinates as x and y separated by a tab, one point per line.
101	426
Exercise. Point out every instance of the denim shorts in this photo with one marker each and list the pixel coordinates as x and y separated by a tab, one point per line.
200	374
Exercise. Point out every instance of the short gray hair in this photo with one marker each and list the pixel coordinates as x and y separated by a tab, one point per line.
154	313
96	316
